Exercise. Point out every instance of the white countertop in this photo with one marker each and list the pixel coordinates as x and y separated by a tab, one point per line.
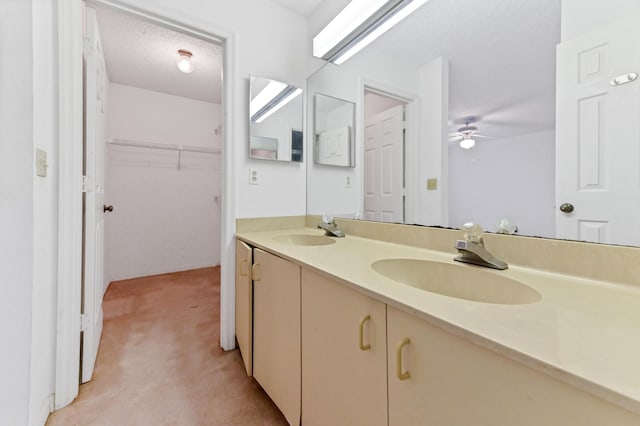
583	332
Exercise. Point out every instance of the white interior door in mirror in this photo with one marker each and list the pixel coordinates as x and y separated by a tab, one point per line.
383	166
598	136
333	146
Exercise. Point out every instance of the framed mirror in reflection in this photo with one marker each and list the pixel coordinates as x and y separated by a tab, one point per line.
275	120
334	128
512	110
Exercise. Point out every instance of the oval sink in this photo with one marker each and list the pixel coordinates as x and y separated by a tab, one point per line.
305	239
459	281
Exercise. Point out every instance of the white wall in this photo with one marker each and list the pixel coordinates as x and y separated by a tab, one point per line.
432	206
507	178
164	219
45	203
17	221
580	16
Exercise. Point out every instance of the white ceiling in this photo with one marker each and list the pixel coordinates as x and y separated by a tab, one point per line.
138	53
302	7
502	59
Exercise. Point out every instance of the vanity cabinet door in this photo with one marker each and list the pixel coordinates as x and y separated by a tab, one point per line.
437	378
244	304
276	331
344	373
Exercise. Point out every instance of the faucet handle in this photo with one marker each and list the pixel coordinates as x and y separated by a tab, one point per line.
327	218
472	232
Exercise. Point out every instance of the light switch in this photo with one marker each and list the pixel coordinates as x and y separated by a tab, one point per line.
432	184
348	183
41	163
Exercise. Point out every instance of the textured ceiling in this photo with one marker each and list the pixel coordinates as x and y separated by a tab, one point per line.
302	7
141	54
502	59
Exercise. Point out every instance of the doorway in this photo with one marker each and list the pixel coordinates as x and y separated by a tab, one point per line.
385	154
69	291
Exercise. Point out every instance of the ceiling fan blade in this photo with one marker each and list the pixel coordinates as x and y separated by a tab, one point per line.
483	136
455	139
454	134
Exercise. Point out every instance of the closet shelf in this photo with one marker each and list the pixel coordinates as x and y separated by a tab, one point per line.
168	147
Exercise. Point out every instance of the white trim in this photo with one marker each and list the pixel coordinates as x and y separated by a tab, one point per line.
229	202
412	137
70	232
70	201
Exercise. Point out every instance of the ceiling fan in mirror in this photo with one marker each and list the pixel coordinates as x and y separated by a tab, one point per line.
467	134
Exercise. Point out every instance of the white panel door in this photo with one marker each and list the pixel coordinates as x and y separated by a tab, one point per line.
334	146
93	284
384	166
598	136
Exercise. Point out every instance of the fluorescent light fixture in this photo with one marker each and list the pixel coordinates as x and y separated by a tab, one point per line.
358	24
265	96
184	61
274	96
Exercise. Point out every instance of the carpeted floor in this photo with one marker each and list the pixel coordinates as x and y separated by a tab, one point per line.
160	362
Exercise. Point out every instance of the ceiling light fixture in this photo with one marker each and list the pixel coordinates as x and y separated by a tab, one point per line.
184	61
274	96
467	142
357	25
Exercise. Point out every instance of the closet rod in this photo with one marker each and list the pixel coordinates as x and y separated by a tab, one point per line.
169	147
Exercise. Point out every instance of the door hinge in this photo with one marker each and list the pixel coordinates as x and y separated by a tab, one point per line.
84	322
84	184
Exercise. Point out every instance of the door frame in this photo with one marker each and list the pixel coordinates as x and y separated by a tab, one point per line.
70	15
411	142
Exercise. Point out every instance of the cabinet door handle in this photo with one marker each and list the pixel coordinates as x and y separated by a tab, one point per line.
406	375
363	347
240	267
254	275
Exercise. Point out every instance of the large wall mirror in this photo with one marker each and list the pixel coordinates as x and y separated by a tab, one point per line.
482	111
275	120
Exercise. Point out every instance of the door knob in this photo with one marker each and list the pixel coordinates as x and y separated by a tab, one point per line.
107	208
566	208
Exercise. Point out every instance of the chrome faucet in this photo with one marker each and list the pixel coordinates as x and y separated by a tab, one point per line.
330	227
472	249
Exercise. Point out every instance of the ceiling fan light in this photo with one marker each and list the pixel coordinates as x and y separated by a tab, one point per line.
184	61
467	143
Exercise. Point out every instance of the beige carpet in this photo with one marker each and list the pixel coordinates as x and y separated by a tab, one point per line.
160	362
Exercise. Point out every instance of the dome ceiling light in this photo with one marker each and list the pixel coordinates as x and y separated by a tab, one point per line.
184	61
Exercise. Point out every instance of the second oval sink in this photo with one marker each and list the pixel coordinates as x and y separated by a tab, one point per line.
305	239
459	281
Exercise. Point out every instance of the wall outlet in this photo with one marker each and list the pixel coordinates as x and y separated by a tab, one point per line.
41	163
254	177
348	182
432	184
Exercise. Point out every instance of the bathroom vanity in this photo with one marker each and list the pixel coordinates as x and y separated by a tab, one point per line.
335	338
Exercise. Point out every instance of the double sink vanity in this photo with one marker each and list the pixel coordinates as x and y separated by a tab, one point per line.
383	327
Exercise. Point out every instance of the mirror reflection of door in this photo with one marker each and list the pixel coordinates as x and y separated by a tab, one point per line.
598	132
384	151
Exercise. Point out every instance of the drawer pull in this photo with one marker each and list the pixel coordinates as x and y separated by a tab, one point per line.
363	347
243	271
254	275
406	375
